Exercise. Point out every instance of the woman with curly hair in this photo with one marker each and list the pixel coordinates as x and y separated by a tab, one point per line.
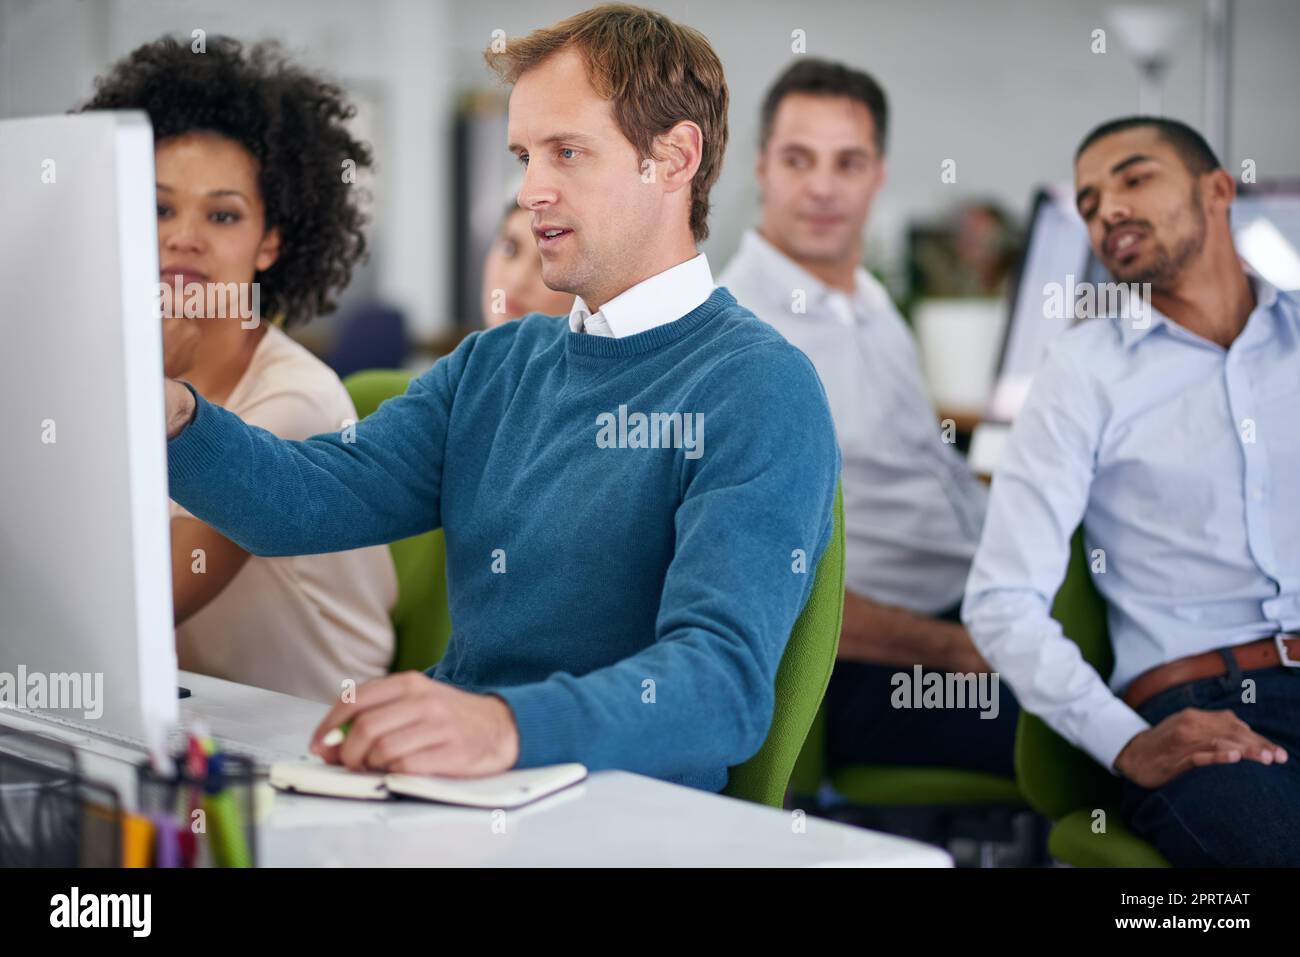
253	165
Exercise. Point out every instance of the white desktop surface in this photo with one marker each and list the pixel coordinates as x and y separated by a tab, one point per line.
613	819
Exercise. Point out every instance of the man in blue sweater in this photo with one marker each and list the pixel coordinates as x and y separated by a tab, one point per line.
635	496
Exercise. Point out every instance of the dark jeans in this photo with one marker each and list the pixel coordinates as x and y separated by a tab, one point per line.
863	726
1238	815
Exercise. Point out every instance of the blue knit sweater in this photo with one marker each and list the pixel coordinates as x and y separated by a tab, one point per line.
632	524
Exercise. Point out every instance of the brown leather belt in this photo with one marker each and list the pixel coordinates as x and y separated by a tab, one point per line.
1281	649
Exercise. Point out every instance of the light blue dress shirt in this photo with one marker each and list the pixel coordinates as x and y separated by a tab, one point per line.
1182	459
912	508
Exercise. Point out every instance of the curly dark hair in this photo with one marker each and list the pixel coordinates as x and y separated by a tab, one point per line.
292	122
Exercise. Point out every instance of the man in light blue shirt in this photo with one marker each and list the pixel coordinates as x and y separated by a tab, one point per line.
1173	433
912	508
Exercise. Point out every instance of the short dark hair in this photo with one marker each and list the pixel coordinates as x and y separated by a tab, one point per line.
823	78
292	122
1191	146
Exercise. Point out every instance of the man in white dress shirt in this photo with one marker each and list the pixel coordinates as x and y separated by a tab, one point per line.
1170	433
913	511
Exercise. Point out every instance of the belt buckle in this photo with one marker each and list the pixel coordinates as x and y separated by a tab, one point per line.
1280	639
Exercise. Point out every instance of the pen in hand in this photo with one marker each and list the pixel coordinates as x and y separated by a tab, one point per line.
335	737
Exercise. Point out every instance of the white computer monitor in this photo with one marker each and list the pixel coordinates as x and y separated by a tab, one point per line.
85	567
1056	249
1266	230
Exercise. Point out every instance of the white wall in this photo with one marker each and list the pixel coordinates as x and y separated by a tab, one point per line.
393	52
1004	87
1007	88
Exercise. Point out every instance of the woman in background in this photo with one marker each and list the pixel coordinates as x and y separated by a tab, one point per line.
251	154
512	274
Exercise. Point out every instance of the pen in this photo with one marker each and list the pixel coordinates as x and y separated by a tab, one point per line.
335	737
169	840
226	837
196	767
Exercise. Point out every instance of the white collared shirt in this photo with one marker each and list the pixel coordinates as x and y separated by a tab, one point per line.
1180	457
912	508
661	299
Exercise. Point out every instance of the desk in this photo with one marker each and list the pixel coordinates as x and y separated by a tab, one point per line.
613	819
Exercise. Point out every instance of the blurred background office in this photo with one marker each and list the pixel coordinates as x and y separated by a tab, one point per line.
988	101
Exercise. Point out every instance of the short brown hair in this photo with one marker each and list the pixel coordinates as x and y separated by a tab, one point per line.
656	72
815	77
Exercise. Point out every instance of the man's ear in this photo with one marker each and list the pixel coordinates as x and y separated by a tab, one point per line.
1220	188
268	251
681	148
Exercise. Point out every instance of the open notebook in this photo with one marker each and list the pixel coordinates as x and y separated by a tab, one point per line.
509	790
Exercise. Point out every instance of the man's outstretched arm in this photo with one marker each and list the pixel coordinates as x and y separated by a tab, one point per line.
371	483
1038	497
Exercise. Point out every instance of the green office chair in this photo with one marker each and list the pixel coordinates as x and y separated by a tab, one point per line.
421	619
1061	781
975	805
889	785
801	679
994	799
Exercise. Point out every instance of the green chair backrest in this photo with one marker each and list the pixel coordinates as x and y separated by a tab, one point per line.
801	679
421	619
1055	777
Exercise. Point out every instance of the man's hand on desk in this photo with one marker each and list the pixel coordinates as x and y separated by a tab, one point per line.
180	406
410	724
1192	738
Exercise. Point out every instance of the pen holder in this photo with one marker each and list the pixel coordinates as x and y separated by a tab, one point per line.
51	814
202	821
